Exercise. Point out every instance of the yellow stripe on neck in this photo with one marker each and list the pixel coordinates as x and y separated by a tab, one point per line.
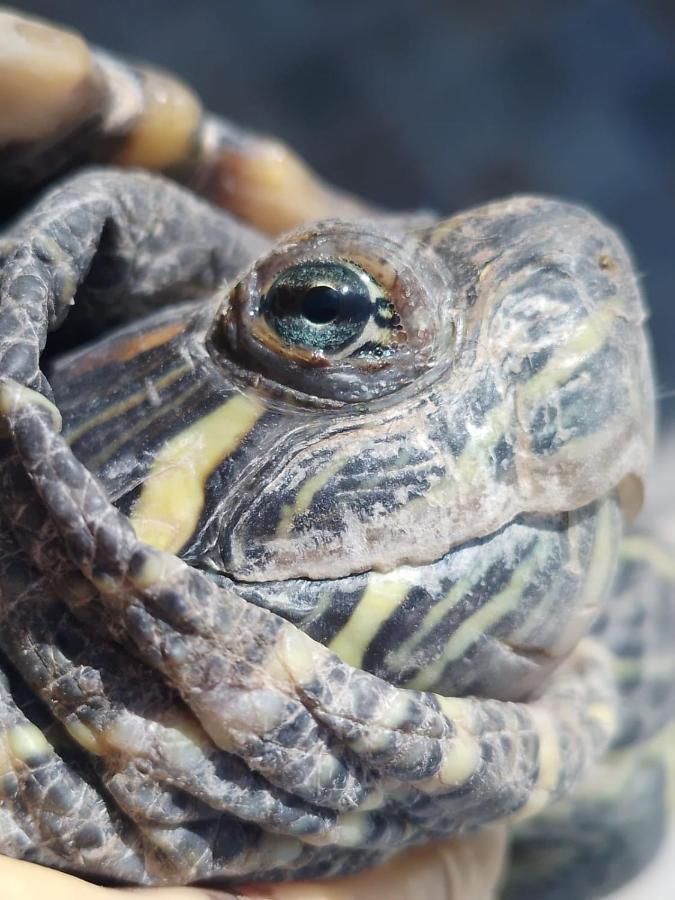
476	626
382	597
172	499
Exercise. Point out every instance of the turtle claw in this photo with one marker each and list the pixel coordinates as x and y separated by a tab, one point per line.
51	94
65	104
49	80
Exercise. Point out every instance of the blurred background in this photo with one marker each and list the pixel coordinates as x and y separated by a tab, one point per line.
432	103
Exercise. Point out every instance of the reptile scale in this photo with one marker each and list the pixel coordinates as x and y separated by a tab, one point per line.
313	530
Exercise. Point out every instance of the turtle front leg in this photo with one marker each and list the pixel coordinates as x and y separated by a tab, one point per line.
91	686
126	243
326	732
49	810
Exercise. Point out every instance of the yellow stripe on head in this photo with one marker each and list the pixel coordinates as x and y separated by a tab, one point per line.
172	499
305	496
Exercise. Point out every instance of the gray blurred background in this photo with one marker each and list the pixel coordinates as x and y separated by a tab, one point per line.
441	104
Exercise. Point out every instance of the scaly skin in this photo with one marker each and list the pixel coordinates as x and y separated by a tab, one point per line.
290	612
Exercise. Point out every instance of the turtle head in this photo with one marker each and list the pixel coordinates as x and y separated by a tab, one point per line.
438	381
393	426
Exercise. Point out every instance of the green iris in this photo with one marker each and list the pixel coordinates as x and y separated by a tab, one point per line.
323	306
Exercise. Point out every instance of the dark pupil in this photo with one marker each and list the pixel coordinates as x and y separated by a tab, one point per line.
320	305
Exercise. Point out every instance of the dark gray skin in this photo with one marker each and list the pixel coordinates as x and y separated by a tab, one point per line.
523	315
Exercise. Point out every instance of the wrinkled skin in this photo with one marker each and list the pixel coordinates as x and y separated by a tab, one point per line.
288	610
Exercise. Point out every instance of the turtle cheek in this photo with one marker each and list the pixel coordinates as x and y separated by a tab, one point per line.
355	503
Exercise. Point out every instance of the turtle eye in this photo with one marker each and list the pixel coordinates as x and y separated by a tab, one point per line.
338	312
333	308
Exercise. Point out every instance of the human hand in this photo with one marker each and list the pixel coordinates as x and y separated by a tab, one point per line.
466	868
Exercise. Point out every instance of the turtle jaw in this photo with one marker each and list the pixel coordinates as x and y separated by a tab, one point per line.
490	618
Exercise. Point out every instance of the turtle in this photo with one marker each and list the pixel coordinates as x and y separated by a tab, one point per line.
316	525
